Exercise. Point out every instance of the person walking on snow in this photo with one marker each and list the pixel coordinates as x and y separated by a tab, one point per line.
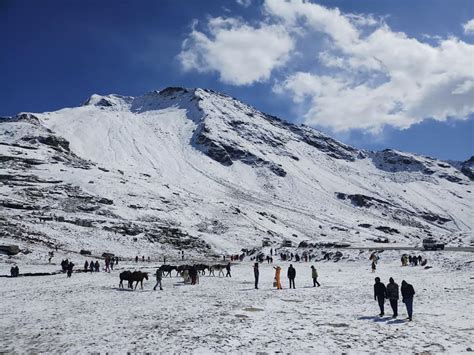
374	266
291	275
227	267
393	295
314	275
380	293
86	266
277	277
407	293
256	273
159	276
70	265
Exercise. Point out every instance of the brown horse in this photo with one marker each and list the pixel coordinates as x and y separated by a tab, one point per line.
138	276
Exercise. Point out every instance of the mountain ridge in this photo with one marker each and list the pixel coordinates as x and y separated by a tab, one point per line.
198	167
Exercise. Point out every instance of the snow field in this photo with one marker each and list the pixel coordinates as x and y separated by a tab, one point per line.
89	313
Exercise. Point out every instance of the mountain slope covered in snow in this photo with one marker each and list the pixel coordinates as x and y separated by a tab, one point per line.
198	170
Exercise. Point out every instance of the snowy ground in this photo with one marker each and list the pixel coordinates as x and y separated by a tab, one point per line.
89	313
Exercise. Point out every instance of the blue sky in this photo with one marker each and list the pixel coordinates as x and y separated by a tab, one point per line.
340	71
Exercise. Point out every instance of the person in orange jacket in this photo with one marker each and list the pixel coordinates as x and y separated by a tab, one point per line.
277	277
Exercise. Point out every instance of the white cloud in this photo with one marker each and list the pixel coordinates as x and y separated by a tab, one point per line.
240	53
469	27
244	3
383	78
363	75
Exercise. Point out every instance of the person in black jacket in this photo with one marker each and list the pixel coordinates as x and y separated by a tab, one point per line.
292	275
407	293
392	295
227	267
256	273
380	293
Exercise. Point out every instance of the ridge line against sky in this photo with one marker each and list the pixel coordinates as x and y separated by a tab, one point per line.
373	75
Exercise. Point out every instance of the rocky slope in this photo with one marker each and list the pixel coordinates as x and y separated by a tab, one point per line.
198	170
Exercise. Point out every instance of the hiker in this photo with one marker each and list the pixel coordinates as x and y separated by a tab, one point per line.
148	259
277	277
97	266
393	295
159	276
116	260
420	259
194	275
51	255
86	266
91	266
227	267
380	293
271	251
407	293
182	254
374	266
136	259
70	265
12	271
314	275
143	258
112	263
291	275
415	261
107	263
256	273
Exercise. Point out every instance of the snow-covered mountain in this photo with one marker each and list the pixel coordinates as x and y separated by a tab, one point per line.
198	170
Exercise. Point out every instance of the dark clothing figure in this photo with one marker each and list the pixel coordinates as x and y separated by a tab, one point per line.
159	276
97	266
193	274
14	271
314	275
420	259
136	259
112	263
86	266
374	266
380	293
116	260
91	266
256	273
227	267
70	265
407	293
291	275
393	295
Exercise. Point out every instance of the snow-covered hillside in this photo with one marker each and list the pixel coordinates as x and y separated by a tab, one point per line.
198	170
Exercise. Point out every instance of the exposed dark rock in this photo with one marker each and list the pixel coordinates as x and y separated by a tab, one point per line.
365	225
360	200
57	143
434	218
9	249
388	230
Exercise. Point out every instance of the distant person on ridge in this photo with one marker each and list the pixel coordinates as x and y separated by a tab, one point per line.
314	275
227	267
393	295
380	293
291	275
407	293
86	266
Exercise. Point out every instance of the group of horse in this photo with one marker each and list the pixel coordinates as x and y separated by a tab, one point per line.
200	268
137	277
